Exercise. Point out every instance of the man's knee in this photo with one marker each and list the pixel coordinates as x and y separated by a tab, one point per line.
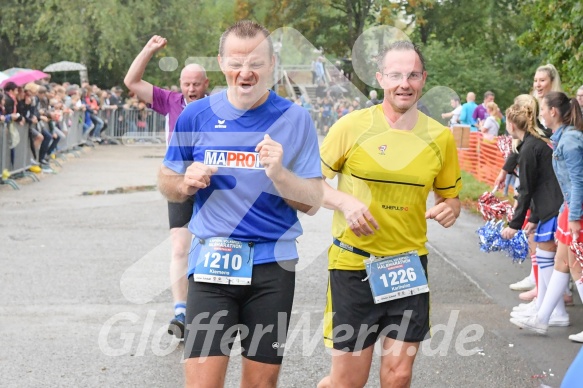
181	242
398	375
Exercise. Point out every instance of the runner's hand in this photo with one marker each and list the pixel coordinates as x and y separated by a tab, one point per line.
270	156
197	176
442	213
358	217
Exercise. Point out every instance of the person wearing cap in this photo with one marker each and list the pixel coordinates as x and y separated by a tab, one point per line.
193	86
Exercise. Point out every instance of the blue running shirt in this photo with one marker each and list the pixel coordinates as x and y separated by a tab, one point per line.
241	201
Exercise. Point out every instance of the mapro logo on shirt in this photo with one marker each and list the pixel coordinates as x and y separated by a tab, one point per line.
233	159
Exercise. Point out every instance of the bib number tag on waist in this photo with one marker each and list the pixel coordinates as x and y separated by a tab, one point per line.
395	277
224	261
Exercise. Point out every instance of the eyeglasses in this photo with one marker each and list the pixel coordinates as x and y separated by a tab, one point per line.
397	77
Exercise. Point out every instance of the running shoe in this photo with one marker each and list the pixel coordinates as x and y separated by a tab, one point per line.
176	326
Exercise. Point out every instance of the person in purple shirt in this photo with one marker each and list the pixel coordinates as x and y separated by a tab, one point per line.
193	86
481	112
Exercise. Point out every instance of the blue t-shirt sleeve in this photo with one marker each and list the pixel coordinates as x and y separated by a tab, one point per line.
180	153
307	164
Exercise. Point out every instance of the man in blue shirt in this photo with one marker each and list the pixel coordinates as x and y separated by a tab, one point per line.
466	116
250	160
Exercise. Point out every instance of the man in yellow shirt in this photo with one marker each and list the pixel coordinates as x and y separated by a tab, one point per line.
387	159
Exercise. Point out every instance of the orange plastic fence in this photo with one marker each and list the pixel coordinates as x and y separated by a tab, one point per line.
482	158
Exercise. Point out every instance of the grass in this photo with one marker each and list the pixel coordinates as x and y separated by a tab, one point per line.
472	188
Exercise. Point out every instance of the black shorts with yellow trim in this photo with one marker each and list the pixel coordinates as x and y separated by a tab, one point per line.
353	322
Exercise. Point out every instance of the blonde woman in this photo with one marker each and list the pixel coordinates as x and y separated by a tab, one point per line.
546	79
491	125
540	192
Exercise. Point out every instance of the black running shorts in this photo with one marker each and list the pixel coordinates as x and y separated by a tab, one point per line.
354	322
179	214
215	313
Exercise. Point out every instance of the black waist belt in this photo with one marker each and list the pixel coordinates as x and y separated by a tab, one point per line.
350	248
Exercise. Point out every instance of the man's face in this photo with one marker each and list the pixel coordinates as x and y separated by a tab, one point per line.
402	94
193	85
488	99
580	97
248	68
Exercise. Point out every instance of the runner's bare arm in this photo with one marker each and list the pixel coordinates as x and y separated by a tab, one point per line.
356	213
301	194
177	187
133	79
445	211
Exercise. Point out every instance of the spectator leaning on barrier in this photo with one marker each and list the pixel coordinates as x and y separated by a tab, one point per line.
193	86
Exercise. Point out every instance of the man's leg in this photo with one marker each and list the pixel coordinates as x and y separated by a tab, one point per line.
259	375
205	372
212	324
397	363
265	317
349	369
179	215
180	239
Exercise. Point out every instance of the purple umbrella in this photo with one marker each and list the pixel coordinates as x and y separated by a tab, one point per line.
24	77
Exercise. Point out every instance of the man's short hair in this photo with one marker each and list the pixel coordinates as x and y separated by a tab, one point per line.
399	45
488	94
10	86
456	99
245	29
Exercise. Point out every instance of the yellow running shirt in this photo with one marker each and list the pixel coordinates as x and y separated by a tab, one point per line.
392	172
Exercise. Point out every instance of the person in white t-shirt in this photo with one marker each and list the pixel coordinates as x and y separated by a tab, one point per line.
454	115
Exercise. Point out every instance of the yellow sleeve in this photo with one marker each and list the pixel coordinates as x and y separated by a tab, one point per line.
336	146
448	182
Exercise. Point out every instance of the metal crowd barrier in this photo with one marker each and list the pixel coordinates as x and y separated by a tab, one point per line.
133	126
72	126
5	164
18	160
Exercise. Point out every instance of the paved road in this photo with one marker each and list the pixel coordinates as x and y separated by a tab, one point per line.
84	298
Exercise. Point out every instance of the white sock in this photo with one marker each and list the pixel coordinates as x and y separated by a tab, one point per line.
546	262
579	285
531	275
554	297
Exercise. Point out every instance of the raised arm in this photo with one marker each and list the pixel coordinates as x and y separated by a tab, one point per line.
133	79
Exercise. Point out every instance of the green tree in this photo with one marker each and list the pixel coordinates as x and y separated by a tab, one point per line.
557	36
